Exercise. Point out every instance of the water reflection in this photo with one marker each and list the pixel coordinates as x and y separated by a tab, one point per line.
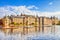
49	34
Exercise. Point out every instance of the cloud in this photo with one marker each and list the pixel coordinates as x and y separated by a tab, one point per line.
32	6
49	14
50	3
14	10
4	11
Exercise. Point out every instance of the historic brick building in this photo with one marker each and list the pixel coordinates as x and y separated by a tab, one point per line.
26	23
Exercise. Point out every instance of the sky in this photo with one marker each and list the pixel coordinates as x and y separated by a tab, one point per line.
30	7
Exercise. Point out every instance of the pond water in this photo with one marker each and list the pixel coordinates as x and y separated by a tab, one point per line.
33	36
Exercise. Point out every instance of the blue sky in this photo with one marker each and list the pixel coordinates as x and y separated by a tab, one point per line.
43	5
39	7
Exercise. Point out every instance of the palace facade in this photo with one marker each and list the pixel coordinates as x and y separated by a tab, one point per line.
26	23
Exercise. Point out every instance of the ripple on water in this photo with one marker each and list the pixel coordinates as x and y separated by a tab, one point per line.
32	36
